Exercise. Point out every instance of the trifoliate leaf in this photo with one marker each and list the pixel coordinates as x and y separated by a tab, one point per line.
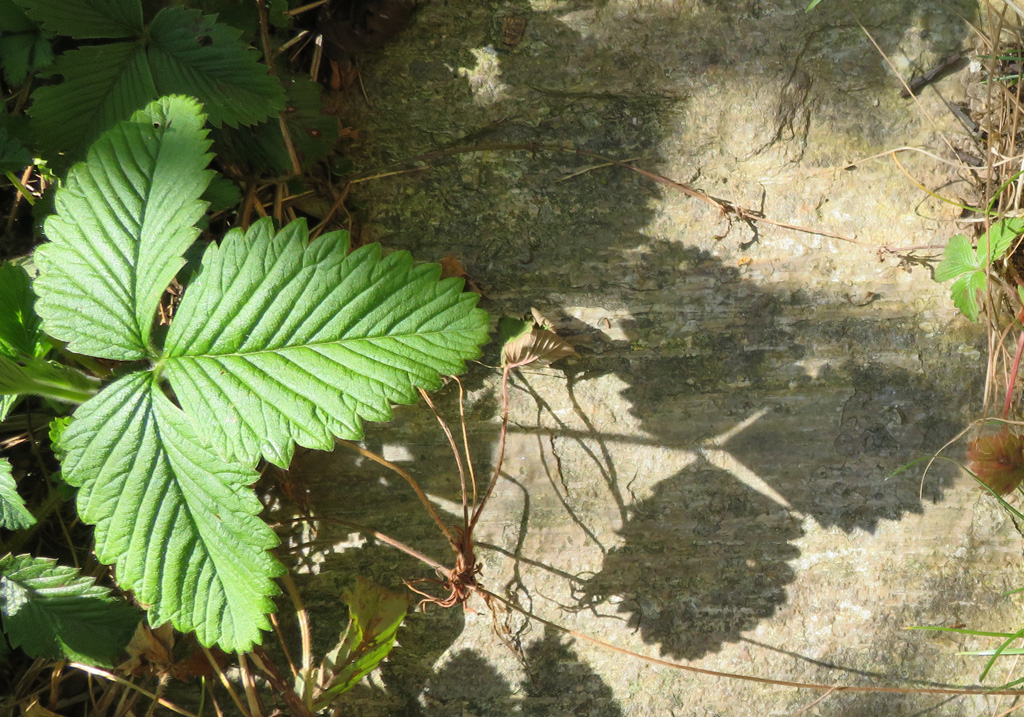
375	615
14	514
83	19
50	611
180	524
19	324
102	85
278	342
123	220
192	54
968	266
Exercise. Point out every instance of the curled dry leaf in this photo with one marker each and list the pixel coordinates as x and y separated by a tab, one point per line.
535	345
149	650
997	460
452	267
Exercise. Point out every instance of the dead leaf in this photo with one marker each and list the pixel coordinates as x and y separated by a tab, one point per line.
541	319
535	345
453	268
149	650
997	460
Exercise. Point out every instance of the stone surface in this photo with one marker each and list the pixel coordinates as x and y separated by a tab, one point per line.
706	480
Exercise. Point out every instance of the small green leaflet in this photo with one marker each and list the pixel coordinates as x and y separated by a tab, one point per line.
50	611
180	523
287	342
14	514
375	615
968	265
124	218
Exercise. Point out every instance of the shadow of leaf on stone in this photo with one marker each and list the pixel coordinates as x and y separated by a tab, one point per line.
467	684
702	559
558	682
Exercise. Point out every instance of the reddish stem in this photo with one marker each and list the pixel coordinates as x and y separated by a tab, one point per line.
1013	371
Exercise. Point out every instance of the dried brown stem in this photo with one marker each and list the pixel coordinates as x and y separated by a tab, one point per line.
408	479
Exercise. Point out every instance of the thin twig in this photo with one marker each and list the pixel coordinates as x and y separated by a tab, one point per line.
455	451
501	451
408	479
305	633
98	672
749	678
225	683
269	58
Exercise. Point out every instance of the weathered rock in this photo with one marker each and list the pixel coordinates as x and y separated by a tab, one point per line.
707	479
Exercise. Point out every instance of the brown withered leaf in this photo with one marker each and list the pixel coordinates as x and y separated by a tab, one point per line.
149	650
452	267
535	345
997	460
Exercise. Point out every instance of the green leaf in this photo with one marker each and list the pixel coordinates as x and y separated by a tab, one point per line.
123	220
965	293
45	378
87	18
510	329
50	611
14	514
103	84
261	148
968	266
958	258
14	157
278	342
191	54
24	46
19	324
375	615
1001	234
23	53
7	402
180	524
